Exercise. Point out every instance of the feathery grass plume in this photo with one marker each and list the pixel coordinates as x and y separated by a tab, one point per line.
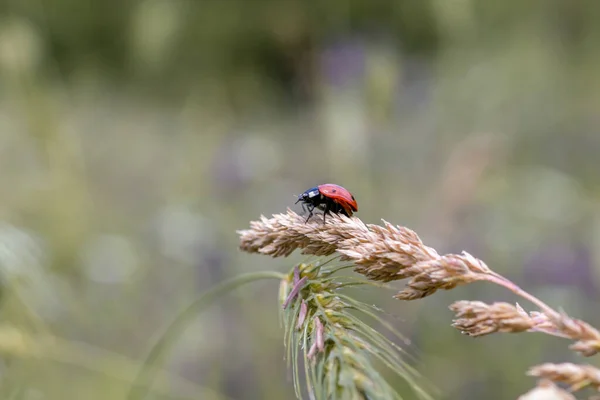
476	318
339	350
380	253
547	390
577	376
387	253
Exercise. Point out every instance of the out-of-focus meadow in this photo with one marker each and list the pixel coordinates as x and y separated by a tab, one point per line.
137	136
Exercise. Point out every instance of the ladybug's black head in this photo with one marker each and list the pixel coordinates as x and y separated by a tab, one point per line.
309	195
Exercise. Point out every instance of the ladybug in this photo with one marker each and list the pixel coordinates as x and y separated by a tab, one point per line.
330	198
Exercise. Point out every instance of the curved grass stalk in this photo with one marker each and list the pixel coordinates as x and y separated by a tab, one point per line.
145	375
16	343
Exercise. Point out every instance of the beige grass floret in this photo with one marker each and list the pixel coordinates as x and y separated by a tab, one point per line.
577	376
547	390
476	318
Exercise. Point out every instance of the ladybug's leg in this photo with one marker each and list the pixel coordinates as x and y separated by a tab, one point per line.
310	208
325	211
307	208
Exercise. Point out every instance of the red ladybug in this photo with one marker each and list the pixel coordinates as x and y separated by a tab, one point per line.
330	198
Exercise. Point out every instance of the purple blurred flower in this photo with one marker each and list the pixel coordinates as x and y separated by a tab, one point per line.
343	62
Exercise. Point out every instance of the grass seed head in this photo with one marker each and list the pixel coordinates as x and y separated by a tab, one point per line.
577	376
340	350
380	253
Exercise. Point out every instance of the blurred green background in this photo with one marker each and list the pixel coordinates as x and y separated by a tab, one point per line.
136	136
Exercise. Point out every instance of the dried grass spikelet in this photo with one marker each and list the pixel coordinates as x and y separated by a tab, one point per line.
476	318
588	337
577	376
339	350
547	390
380	253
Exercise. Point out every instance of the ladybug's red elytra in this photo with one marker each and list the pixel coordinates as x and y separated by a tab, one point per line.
329	198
